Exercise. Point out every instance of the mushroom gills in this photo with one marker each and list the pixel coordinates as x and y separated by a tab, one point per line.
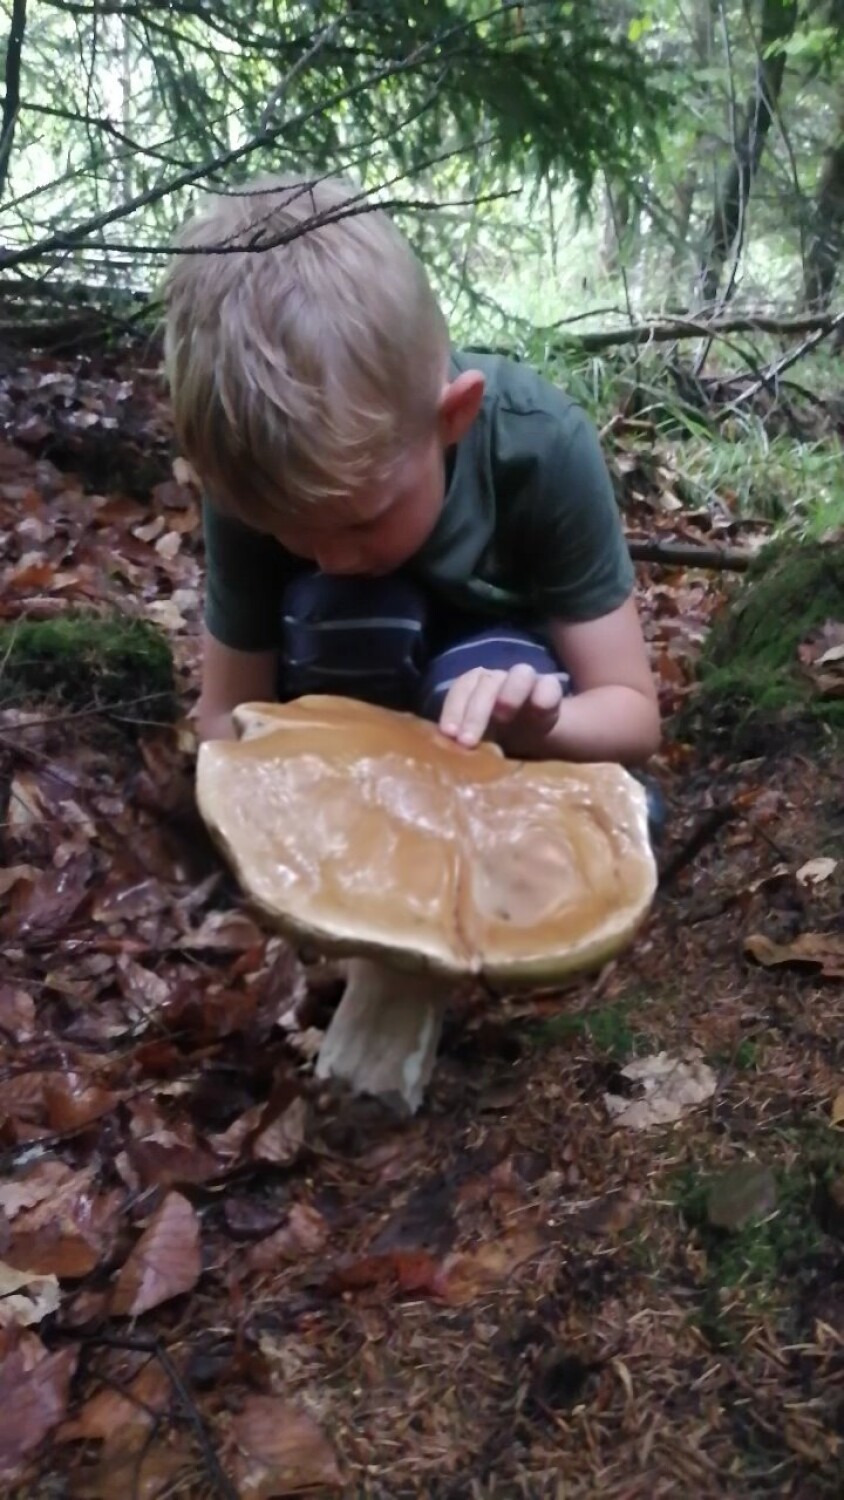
383	1038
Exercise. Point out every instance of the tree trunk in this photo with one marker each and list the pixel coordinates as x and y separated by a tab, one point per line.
727	223
11	98
826	246
621	226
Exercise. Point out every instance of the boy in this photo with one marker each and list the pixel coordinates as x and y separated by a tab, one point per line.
386	518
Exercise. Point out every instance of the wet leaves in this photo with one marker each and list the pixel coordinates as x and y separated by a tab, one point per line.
34	1389
281	1451
165	1263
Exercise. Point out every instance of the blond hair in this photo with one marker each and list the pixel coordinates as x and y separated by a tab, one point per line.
304	346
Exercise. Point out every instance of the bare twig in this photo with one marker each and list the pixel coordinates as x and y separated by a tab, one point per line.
676	554
138	1344
706	830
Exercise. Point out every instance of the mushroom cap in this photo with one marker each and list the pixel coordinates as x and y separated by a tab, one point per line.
366	831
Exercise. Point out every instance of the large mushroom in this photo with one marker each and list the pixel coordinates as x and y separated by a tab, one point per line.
367	833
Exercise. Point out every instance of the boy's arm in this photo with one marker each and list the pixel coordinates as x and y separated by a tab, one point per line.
613	715
231	677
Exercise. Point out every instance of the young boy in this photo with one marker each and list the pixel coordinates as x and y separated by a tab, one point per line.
387	518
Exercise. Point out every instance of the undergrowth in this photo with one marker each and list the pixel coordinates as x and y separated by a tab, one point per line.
88	661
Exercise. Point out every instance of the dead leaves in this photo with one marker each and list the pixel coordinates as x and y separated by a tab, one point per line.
26	1297
33	1395
672	1086
820	951
165	1263
280	1451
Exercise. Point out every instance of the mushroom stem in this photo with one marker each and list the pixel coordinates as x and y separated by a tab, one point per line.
384	1035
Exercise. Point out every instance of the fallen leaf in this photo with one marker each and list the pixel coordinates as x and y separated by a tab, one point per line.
137	1405
34	1389
467	1274
821	950
32	1187
837	1115
281	1142
165	1263
26	1297
13	874
281	1451
72	1100
305	1233
225	932
67	1232
672	1086
17	1013
815	871
133	1465
741	1195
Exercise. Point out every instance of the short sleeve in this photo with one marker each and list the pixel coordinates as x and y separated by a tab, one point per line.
246	575
581	567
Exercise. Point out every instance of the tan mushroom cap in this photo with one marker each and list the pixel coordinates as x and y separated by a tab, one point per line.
369	832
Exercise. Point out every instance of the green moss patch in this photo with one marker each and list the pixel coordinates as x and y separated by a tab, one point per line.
88	661
751	678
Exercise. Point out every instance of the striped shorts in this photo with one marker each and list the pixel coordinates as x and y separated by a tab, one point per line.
385	641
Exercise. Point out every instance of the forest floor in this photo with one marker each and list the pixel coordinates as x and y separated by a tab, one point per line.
217	1278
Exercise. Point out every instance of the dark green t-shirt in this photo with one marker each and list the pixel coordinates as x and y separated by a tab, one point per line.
529	530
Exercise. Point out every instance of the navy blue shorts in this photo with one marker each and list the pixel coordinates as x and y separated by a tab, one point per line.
385	641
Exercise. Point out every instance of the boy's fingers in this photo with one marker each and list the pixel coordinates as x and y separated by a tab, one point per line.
480	707
547	694
454	704
515	692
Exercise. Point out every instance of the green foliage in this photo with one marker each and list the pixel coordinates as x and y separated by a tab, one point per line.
466	95
753	1257
751	679
88	661
606	1026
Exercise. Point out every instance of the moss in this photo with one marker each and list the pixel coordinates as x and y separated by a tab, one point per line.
88	661
606	1026
750	679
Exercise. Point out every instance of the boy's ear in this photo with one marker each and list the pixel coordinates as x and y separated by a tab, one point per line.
460	403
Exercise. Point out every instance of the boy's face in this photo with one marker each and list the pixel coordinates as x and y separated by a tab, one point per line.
378	530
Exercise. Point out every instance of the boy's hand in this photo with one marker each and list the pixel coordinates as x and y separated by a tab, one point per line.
486	704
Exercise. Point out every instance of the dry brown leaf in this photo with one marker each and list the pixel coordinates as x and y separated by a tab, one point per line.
281	1451
67	1232
17	1013
820	950
225	931
467	1274
33	1395
165	1263
672	1086
132	1465
136	1407
72	1100
25	1296
281	1142
33	1186
305	1233
837	1114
